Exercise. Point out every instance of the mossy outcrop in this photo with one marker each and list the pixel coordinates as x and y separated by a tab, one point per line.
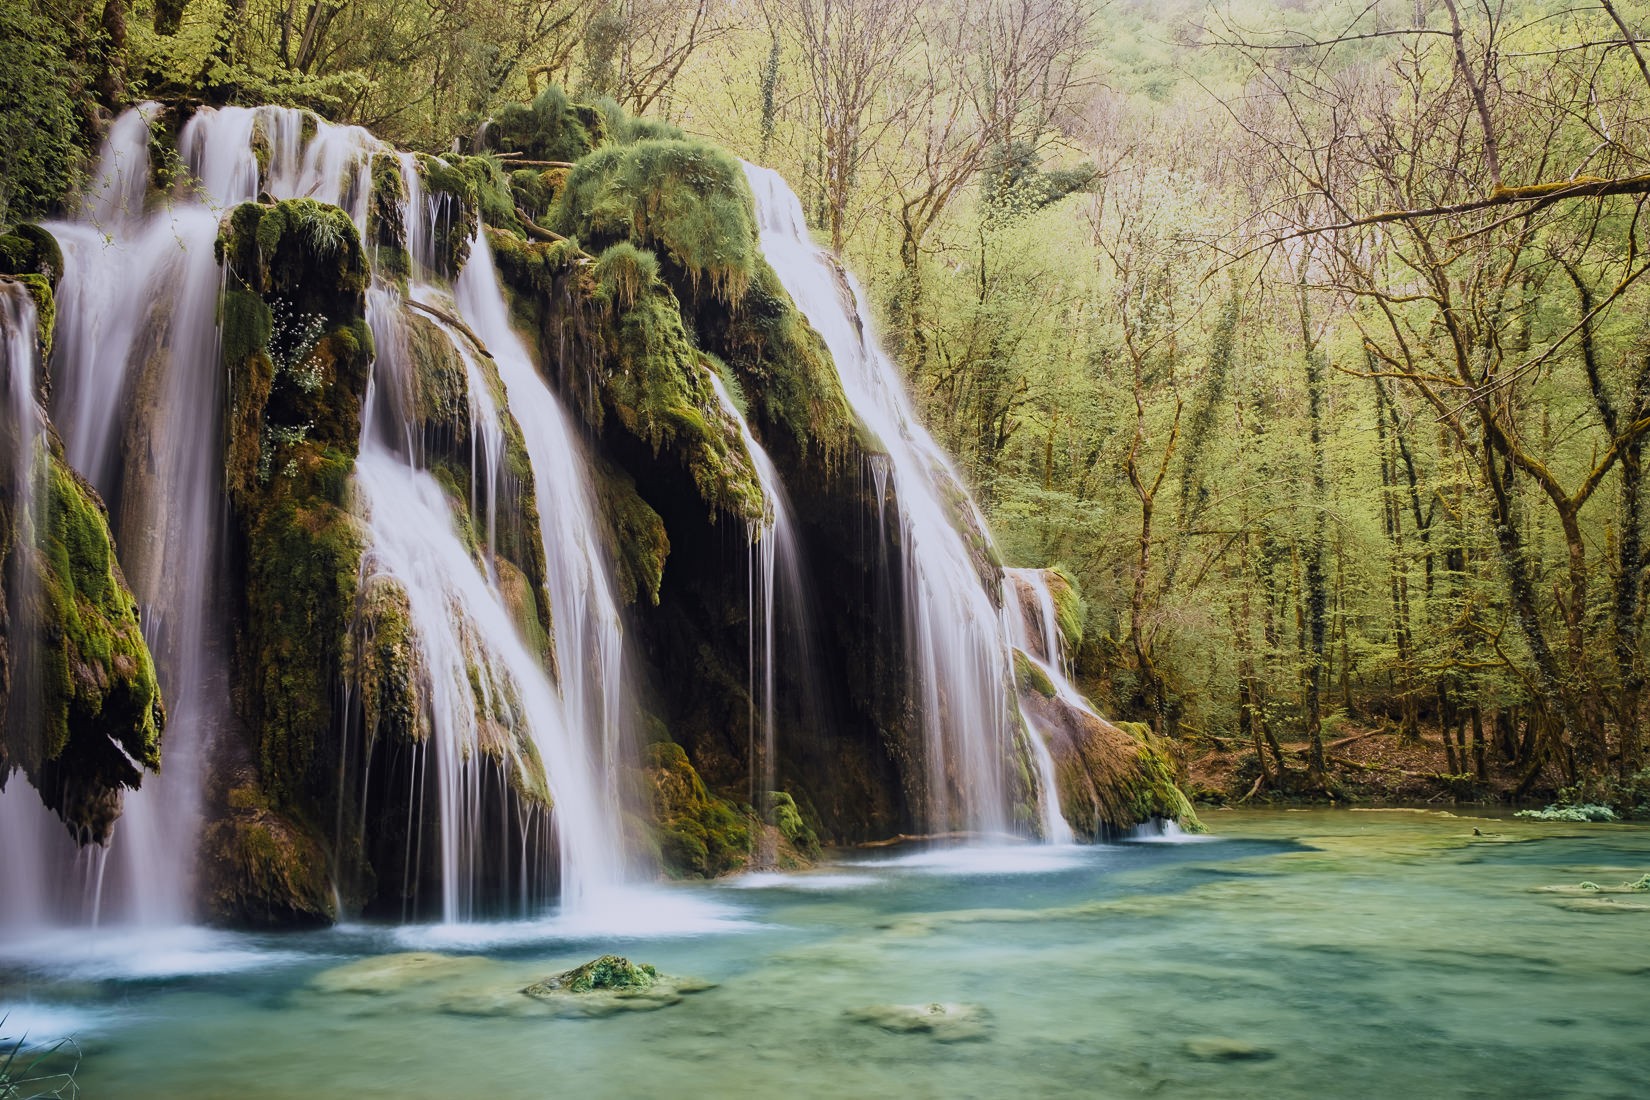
1110	777
695	832
74	638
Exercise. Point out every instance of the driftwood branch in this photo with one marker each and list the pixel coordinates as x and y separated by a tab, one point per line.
452	321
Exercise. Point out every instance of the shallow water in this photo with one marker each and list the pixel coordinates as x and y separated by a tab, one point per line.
1322	953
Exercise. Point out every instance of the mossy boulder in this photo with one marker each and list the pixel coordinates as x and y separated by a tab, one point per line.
266	869
28	249
607	972
685	200
1070	612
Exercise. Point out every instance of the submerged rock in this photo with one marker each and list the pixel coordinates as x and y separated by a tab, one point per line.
1218	1048
943	1022
383	975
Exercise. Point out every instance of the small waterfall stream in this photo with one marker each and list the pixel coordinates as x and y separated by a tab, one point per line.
961	654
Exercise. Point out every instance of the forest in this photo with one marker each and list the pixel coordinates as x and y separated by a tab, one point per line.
994	547
1308	339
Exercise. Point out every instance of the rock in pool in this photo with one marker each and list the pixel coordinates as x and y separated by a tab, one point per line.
945	1023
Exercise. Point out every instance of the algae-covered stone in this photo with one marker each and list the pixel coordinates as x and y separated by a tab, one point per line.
942	1022
603	987
607	972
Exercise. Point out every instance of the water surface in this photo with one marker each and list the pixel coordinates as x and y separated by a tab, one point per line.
1323	953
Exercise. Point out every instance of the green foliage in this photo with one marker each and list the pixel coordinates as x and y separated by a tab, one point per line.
31	1073
39	129
1581	812
552	127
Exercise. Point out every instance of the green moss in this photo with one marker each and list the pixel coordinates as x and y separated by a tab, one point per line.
662	394
266	870
686	200
455	188
785	369
638	543
495	197
27	249
552	127
534	190
101	715
386	229
384	663
607	972
1031	678
623	271
697	832
45	310
1069	610
787	818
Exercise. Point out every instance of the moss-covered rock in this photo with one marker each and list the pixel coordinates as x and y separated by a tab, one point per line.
786	816
552	127
27	249
99	722
607	972
637	542
1110	777
1070	613
685	200
697	833
267	870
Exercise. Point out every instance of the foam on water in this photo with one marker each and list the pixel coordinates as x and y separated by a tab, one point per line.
626	913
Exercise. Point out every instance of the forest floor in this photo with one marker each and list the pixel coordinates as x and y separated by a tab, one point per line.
1365	765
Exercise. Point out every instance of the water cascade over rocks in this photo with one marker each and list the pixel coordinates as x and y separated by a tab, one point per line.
960	656
434	531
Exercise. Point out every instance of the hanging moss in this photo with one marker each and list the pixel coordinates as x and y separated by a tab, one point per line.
661	393
1069	610
623	271
495	195
384	663
783	366
552	127
386	227
101	714
454	192
686	200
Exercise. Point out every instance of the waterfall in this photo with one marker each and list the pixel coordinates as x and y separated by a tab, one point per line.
1042	648
137	305
961	669
775	571
138	397
33	835
589	635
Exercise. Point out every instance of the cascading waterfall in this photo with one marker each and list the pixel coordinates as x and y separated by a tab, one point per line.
32	834
138	328
1043	648
138	333
589	635
961	665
